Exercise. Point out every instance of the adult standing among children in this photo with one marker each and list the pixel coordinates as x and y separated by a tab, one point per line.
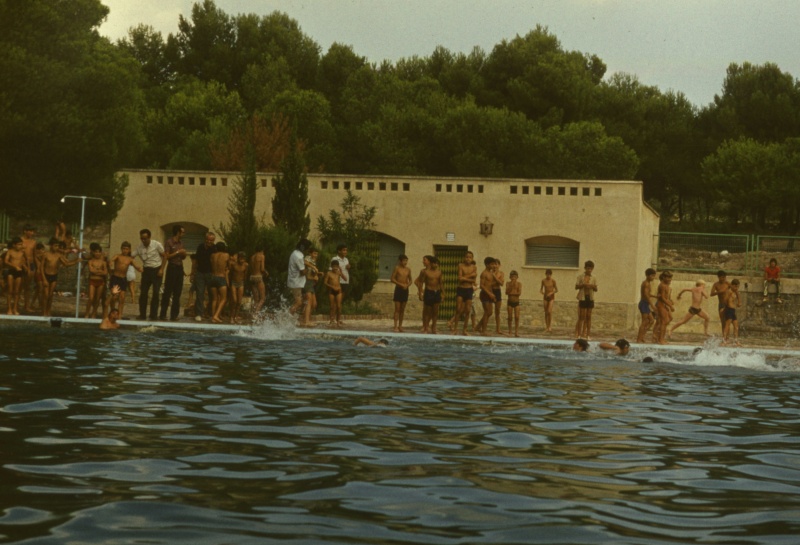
296	278
344	267
151	252
174	254
202	276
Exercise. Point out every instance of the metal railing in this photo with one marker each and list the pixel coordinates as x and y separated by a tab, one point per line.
735	254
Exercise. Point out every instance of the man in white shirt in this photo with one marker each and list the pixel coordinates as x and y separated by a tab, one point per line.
151	252
297	274
344	266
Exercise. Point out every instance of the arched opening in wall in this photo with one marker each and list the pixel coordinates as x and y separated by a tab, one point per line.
384	249
552	251
193	236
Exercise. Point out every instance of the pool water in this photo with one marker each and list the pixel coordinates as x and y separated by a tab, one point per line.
169	438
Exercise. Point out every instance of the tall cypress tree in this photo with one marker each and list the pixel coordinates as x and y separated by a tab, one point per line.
290	203
241	233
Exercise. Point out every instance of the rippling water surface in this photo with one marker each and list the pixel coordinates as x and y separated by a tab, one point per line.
172	438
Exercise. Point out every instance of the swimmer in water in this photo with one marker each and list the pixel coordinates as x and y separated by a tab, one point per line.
380	343
580	345
621	347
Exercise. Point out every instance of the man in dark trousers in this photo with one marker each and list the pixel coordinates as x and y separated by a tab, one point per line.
202	276
151	252
174	254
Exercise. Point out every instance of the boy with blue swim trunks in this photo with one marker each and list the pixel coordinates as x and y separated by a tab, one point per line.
645	306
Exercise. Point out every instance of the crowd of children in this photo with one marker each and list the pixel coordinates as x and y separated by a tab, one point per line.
29	267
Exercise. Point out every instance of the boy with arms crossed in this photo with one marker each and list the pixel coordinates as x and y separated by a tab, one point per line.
401	278
513	291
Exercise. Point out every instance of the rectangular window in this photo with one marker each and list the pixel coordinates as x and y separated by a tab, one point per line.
359	186
263	182
161	179
213	181
191	180
370	186
336	185
324	184
203	180
586	191
180	180
382	186
548	190
525	189
537	190
438	188
573	191
549	255
170	180
480	189
149	179
224	182
394	186
469	188
598	191
513	190
406	187
459	188
562	190
347	185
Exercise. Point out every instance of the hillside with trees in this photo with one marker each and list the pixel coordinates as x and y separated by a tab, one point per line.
226	90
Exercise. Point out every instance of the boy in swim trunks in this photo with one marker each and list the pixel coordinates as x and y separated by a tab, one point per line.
586	285
238	273
430	280
16	271
119	276
310	287
732	302
645	306
698	294
220	266
52	261
487	296
465	289
513	291
721	288
258	274
664	307
401	278
332	282
497	289
548	289
98	272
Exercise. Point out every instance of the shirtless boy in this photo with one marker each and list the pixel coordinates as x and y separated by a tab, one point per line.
664	307
696	309
467	275
220	262
238	273
429	281
487	296
29	248
52	261
645	304
401	278
497	289
732	302
548	289
334	286
258	274
720	289
17	269
119	276
110	320
98	271
586	285
513	292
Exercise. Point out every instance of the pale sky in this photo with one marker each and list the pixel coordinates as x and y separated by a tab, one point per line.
679	45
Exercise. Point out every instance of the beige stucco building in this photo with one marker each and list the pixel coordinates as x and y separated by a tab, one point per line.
536	224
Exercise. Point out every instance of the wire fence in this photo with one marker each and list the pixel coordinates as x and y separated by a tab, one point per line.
735	254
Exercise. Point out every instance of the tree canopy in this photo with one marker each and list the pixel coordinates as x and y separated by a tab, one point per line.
74	108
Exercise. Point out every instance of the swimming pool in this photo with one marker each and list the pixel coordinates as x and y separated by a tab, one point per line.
172	437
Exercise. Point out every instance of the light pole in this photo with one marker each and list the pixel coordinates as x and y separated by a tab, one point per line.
80	244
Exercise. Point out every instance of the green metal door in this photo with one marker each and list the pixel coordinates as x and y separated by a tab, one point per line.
449	257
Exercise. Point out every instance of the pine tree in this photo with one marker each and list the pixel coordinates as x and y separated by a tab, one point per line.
290	203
